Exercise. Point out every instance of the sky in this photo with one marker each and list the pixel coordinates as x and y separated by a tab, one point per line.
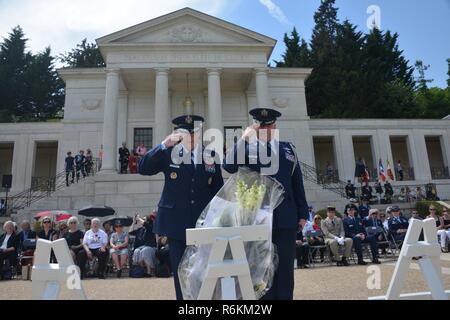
423	25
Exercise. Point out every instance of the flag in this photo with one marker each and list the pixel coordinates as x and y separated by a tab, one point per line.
381	171
390	174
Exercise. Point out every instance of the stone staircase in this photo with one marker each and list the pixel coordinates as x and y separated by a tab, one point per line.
127	194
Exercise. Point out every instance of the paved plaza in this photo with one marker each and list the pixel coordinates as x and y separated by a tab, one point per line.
322	282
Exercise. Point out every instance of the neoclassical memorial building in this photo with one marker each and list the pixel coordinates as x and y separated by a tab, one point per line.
157	70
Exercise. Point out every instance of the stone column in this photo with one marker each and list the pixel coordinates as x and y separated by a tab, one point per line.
251	103
122	121
345	155
162	108
110	121
214	99
262	88
419	154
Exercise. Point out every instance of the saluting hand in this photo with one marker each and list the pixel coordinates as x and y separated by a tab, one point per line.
173	139
250	131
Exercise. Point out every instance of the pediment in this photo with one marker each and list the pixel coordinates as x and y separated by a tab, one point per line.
186	26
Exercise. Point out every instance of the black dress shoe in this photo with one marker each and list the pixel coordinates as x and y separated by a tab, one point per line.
101	276
339	263
345	262
376	261
362	263
119	273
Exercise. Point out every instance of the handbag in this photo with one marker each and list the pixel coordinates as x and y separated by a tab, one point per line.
137	271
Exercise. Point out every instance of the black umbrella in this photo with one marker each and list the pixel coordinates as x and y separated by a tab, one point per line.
124	221
97	211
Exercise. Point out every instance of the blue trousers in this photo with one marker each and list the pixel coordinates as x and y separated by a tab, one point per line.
176	251
283	281
372	241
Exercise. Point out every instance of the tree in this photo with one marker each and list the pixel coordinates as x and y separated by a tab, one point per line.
348	97
30	89
321	85
448	73
85	55
45	88
421	81
13	63
297	54
384	67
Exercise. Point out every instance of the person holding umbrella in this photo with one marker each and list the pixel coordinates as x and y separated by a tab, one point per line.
94	244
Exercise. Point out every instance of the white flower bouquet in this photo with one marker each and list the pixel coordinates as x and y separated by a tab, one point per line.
247	198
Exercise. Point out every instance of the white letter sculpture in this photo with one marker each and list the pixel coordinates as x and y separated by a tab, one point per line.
218	268
430	252
47	277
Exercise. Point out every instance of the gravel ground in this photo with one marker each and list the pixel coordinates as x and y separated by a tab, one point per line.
321	282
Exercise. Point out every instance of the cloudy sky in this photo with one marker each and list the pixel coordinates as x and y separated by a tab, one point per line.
423	25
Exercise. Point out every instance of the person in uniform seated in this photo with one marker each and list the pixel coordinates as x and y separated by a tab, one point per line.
398	225
355	230
333	231
364	208
190	184
302	245
95	243
283	165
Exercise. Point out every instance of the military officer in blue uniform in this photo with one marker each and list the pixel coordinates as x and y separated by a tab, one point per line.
354	229
285	168
398	225
190	184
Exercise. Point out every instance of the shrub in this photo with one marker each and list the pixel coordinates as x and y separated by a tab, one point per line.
422	207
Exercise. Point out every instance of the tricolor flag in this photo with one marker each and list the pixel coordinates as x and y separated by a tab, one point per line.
390	174
381	171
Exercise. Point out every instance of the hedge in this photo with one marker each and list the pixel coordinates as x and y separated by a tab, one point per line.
422	207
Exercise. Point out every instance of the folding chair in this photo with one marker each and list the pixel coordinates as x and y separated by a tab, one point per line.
314	249
375	232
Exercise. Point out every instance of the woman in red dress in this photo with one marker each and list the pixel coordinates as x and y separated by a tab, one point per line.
133	162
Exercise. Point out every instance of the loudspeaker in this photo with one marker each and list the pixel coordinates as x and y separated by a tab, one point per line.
7	181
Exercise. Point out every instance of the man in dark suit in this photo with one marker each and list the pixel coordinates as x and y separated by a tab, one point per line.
124	155
190	184
282	164
25	234
354	229
398	225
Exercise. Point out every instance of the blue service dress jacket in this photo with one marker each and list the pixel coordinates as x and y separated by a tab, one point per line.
188	188
294	205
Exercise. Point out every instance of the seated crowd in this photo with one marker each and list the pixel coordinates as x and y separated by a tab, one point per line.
109	247
360	225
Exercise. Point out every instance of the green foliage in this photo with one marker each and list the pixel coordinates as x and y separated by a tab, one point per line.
30	89
297	54
422	207
85	55
358	75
